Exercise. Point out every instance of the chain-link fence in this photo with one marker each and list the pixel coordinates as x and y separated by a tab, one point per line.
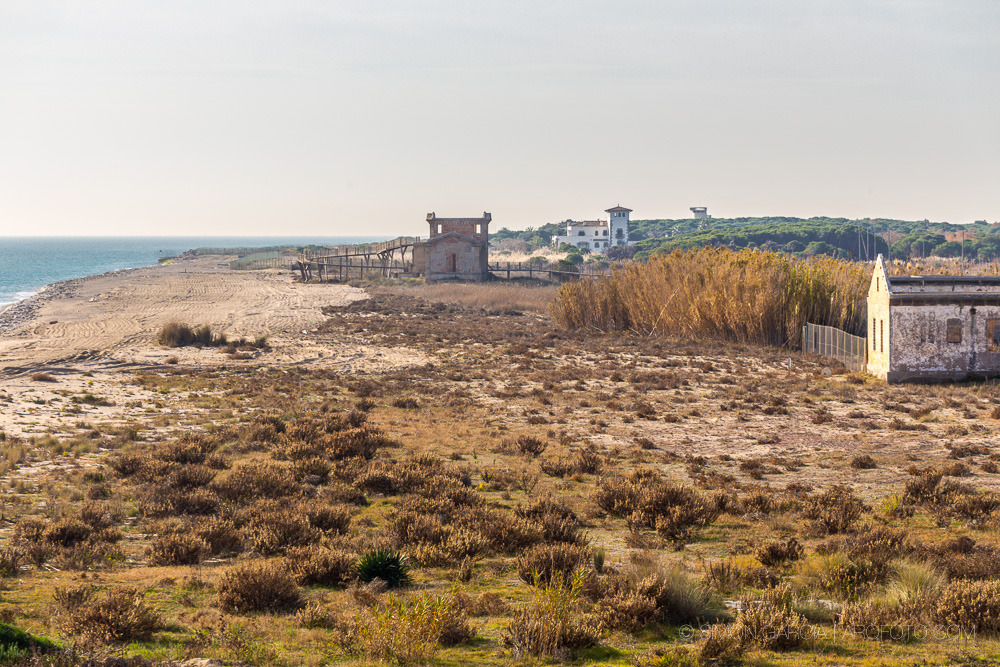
831	342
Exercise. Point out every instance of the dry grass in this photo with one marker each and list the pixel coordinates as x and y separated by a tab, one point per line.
491	297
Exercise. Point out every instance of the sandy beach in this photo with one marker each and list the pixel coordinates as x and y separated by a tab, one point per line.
83	332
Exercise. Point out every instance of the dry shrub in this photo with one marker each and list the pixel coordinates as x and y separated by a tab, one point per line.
258	586
488	603
775	553
552	624
320	566
972	606
556	520
835	510
736	572
177	549
863	462
221	535
175	334
745	296
676	598
544	563
156	501
502	531
272	528
962	558
526	445
120	616
669	508
874	548
43	377
10	561
884	619
251	479
769	623
832	574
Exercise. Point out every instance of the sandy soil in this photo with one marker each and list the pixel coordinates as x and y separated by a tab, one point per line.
83	331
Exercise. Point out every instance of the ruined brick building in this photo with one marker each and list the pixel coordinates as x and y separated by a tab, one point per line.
456	249
933	327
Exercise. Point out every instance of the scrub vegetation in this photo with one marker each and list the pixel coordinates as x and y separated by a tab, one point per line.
536	492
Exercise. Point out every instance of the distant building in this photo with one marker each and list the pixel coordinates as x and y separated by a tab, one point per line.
700	212
933	327
457	249
597	235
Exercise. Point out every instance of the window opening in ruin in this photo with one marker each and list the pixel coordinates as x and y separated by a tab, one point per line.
452	263
874	339
881	336
993	335
954	330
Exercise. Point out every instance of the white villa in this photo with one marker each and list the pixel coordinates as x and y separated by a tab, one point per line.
597	235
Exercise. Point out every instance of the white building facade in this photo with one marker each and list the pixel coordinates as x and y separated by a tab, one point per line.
597	235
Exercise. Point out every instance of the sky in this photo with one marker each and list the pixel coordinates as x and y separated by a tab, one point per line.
290	117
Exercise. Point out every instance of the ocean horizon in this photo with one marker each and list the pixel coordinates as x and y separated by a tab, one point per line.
29	263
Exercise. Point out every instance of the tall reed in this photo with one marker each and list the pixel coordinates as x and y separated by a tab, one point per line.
746	296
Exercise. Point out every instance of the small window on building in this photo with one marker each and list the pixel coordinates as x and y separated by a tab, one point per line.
954	330
881	336
452	263
874	338
876	284
582	233
993	335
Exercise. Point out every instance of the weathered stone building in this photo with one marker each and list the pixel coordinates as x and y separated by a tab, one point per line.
933	327
456	249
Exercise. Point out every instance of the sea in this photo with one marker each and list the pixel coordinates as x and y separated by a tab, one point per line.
29	263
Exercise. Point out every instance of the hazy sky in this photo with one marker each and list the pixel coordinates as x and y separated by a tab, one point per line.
328	118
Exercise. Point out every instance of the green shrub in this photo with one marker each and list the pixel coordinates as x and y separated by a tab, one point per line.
385	564
16	645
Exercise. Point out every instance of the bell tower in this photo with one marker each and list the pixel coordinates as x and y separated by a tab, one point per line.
618	225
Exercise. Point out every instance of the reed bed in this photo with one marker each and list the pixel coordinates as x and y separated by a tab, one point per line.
744	296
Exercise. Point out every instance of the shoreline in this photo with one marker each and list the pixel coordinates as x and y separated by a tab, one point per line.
116	316
18	313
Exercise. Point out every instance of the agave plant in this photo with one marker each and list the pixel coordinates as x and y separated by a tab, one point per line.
385	564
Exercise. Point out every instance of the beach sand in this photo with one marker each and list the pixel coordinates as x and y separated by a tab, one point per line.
86	332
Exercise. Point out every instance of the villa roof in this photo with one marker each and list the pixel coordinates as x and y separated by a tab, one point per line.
587	223
617	208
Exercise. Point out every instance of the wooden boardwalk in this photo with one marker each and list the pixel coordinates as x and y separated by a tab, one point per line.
341	263
394	258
